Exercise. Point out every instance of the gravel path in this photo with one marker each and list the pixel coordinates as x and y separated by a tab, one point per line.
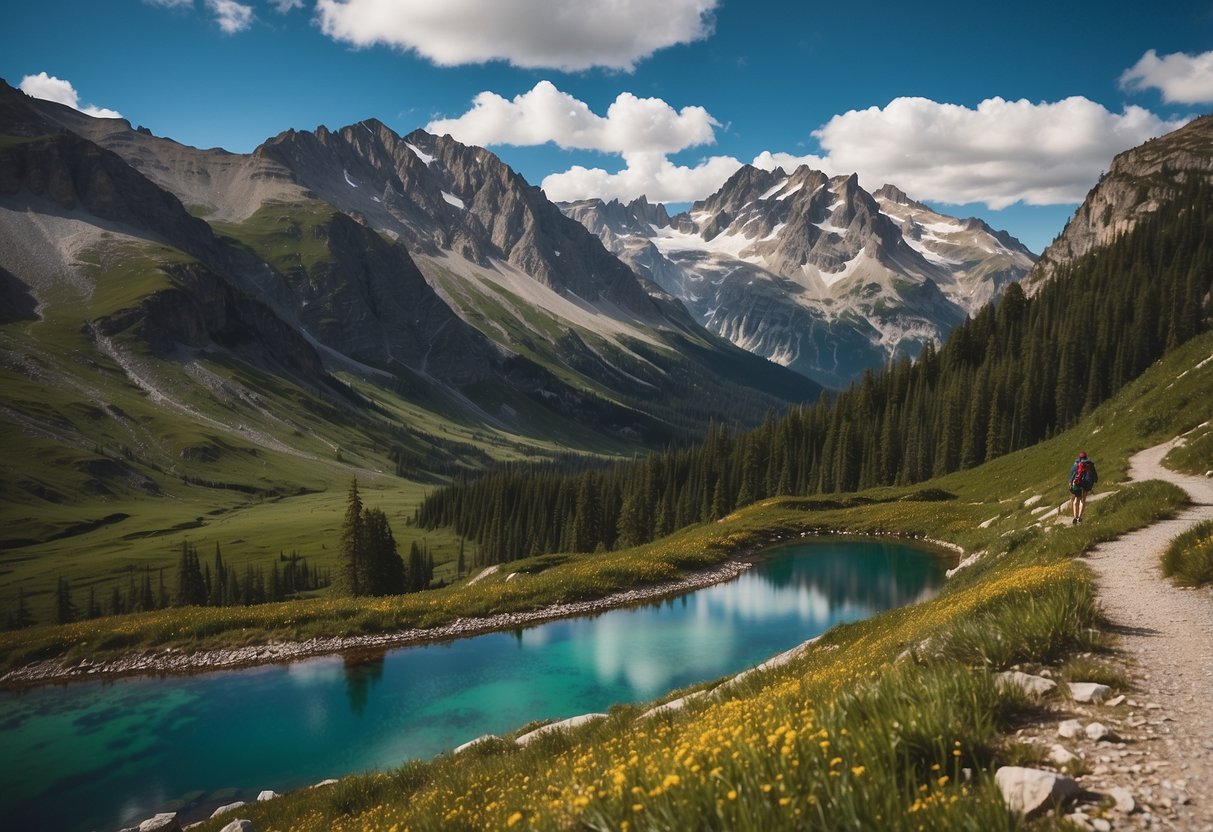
1168	634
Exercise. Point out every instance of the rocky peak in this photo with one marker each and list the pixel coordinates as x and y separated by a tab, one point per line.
1137	184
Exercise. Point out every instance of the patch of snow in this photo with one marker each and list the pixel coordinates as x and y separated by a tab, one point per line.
791	191
451	199
775	189
419	153
348	181
670	239
376	199
557	252
932	256
848	269
830	228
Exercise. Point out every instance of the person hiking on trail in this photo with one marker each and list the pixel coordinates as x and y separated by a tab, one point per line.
1082	480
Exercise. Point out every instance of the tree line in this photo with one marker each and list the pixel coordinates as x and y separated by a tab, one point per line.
197	584
1014	374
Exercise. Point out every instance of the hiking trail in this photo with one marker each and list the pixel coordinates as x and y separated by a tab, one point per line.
1166	633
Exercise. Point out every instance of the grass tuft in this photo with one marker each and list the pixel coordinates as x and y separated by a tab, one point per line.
1188	559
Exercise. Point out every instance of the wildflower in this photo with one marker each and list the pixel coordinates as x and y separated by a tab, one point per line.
637	807
857	771
513	819
732	794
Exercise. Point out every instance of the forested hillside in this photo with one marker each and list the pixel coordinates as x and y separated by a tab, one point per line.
1009	377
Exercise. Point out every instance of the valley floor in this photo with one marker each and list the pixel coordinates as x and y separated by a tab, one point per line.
1167	632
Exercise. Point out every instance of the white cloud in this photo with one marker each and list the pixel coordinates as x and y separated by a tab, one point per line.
1182	79
999	153
169	4
545	114
651	174
50	88
284	6
568	35
231	16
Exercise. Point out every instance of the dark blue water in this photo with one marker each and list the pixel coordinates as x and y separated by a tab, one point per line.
101	755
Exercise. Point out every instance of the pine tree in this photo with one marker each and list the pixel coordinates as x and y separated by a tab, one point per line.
351	546
65	610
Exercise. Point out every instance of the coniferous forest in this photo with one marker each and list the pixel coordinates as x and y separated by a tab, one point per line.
1015	374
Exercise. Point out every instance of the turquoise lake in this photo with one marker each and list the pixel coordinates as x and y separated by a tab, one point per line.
87	756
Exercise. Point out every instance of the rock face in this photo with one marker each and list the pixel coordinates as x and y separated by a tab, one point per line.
813	272
1029	790
1138	183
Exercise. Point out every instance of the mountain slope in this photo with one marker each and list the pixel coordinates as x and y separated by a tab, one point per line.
812	272
1138	183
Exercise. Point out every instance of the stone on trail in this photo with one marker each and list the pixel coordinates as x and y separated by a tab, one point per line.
241	825
1029	790
1097	731
1124	799
230	807
1069	729
268	794
1089	692
1115	700
1029	684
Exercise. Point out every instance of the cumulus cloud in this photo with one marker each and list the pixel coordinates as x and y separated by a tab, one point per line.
568	35
231	16
284	6
169	4
999	153
50	88
651	174
545	114
1182	78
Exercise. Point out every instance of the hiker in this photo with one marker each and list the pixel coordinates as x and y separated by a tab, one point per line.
1082	480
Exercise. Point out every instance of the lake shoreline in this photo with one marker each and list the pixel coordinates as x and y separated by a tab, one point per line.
173	661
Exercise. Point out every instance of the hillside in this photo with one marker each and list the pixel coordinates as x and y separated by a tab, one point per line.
210	345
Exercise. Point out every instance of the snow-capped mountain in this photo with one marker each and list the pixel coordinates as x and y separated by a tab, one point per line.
811	271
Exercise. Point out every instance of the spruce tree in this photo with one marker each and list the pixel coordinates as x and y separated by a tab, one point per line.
351	546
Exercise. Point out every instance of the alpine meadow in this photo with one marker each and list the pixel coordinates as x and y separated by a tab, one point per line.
622	417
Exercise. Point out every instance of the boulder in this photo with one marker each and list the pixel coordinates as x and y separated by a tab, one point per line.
163	822
1097	731
238	826
1089	692
230	807
571	722
1060	755
268	794
1069	729
470	743
1035	686
1030	790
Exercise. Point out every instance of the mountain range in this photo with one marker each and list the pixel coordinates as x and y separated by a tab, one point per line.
814	272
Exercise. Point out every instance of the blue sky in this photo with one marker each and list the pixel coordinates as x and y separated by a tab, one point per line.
1008	112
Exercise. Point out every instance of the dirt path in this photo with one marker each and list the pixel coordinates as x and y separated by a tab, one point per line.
1168	633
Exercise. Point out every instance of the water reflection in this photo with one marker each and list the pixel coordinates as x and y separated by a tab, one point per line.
363	670
123	750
